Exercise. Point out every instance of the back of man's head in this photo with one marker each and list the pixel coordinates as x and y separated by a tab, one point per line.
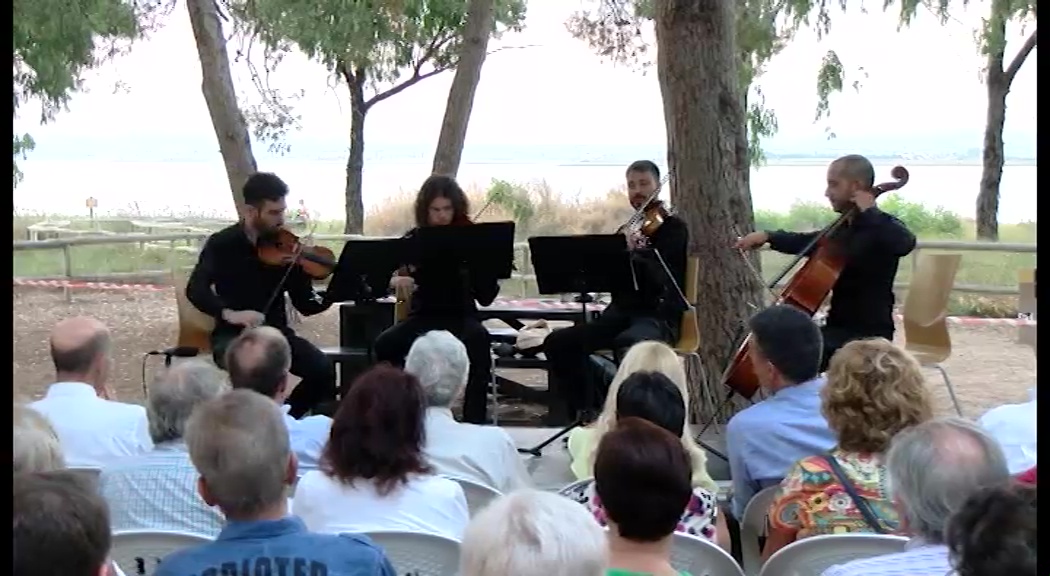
176	393
653	397
259	360
78	346
935	466
239	445
789	339
439	361
533	533
61	525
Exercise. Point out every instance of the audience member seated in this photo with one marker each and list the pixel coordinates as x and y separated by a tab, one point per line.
874	390
652	397
36	446
239	444
643	477
533	533
934	468
995	533
61	526
484	454
94	428
259	359
1013	426
764	440
158	490
373	474
1027	477
643	356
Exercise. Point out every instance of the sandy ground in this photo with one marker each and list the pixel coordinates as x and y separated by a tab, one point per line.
987	367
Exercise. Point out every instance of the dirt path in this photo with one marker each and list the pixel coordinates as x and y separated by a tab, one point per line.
987	366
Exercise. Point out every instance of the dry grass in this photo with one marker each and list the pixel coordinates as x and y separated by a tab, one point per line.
987	367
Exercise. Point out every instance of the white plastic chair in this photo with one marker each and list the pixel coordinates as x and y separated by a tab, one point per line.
478	495
811	556
91	475
700	557
753	526
419	554
573	489
137	552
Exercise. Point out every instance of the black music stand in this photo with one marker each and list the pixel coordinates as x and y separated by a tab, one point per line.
485	250
581	264
364	270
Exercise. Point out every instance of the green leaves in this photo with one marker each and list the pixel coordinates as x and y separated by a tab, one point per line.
55	41
382	46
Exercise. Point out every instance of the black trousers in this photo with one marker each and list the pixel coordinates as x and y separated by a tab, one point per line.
393	344
836	337
568	351
308	362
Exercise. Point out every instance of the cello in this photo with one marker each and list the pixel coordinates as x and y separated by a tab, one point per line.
807	289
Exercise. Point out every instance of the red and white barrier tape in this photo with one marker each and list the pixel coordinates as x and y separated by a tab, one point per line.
531	303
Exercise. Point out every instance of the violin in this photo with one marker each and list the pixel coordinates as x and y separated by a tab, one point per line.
283	248
649	217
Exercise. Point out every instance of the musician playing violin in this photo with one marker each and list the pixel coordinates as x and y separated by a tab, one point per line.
653	311
872	241
444	299
231	284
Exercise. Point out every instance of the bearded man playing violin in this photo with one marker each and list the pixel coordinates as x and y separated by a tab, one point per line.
653	311
443	299
233	285
872	241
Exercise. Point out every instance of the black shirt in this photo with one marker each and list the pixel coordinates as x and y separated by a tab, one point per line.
656	294
448	291
873	243
229	275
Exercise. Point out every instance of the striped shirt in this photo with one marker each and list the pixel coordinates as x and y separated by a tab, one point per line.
158	491
918	559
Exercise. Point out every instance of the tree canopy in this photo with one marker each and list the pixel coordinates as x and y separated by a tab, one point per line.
55	41
613	28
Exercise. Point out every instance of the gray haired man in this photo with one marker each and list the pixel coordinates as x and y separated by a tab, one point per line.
484	454
933	469
158	490
239	445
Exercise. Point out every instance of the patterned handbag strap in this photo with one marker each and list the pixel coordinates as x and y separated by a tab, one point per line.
858	501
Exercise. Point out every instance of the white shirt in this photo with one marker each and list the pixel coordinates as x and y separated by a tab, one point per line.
430	504
1013	425
917	560
93	431
484	454
307	437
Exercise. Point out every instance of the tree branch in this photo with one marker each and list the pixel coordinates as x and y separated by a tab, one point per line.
399	88
1022	55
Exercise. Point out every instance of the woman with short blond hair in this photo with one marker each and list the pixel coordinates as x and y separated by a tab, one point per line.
874	390
650	356
36	445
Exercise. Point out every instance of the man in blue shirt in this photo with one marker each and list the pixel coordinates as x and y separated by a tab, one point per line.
765	439
239	445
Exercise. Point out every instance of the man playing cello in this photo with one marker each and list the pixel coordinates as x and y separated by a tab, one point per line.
231	284
873	242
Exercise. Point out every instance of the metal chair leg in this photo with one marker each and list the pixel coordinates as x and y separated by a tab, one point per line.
494	390
951	389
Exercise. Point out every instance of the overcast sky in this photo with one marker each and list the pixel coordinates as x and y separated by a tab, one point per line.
923	82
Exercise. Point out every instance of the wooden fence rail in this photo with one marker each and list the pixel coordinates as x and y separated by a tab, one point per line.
179	242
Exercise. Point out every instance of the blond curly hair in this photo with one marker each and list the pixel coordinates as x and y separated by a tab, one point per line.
874	390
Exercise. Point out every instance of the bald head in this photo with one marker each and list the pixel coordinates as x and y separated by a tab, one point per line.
259	360
855	168
79	346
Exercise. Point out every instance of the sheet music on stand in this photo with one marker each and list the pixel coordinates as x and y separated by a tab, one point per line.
364	269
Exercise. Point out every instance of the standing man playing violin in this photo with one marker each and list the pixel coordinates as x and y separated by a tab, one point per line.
873	242
231	284
444	299
652	312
